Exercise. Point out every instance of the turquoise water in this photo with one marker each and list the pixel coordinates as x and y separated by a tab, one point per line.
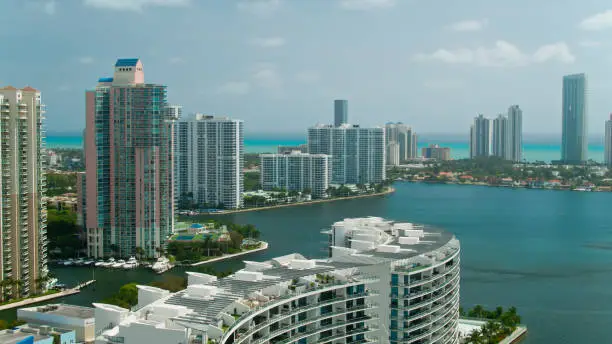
259	144
549	253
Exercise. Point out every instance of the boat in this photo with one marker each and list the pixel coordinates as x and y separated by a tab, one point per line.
99	262
161	265
118	264
68	262
109	262
52	282
131	263
79	262
88	262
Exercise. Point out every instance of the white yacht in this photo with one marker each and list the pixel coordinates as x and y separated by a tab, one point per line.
99	262
131	263
161	265
69	262
118	264
109	262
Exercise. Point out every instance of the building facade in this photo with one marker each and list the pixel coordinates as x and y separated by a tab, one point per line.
574	142
393	154
210	161
340	112
129	149
383	282
296	171
288	149
358	154
436	152
500	136
608	143
514	149
480	137
406	139
23	210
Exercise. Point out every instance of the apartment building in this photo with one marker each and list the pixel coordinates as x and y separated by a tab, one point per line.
296	171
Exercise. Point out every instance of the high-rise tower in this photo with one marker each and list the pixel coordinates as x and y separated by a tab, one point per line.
480	137
340	112
574	143
608	143
130	164
23	211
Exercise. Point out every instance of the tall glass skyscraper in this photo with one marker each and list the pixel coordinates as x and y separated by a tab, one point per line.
608	143
574	143
340	112
130	164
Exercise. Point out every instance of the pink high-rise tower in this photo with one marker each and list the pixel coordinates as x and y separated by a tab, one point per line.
127	195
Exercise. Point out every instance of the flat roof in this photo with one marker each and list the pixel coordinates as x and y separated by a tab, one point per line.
64	310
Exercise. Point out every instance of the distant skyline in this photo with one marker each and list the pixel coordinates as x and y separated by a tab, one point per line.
265	62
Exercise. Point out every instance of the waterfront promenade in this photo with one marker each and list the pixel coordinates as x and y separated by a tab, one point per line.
38	299
317	201
264	246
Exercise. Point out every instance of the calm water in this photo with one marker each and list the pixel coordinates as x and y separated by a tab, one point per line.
532	151
549	253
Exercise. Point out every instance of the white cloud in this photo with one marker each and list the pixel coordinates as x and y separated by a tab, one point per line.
269	42
590	44
469	25
364	5
307	77
266	76
551	52
134	5
86	60
599	21
501	54
235	87
259	7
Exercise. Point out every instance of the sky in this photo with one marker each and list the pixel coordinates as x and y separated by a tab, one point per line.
279	64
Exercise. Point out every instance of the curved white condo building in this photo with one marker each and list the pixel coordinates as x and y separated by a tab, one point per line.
383	282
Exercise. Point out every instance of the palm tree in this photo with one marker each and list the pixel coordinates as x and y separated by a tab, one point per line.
3	284
139	251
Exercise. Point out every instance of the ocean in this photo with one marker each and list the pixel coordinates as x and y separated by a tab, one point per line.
533	150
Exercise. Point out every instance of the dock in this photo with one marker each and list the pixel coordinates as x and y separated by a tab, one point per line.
264	246
29	301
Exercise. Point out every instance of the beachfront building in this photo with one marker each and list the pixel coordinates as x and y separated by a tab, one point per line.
514	134
288	149
129	164
210	161
383	282
406	140
608	143
500	136
393	154
296	171
358	154
340	112
23	210
480	137
574	143
436	152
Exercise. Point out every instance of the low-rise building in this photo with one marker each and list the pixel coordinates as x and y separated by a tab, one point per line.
436	152
79	319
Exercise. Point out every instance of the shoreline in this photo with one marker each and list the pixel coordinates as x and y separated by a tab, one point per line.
43	298
498	186
386	192
264	246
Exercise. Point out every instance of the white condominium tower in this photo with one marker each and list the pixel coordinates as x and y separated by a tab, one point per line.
480	137
358	154
384	282
23	212
406	140
210	161
296	171
608	143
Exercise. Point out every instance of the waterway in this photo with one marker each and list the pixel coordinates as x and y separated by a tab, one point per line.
549	253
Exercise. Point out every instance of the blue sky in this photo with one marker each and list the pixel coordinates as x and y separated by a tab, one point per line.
278	64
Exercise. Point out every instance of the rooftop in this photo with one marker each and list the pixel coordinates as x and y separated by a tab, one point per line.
64	310
16	336
131	62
